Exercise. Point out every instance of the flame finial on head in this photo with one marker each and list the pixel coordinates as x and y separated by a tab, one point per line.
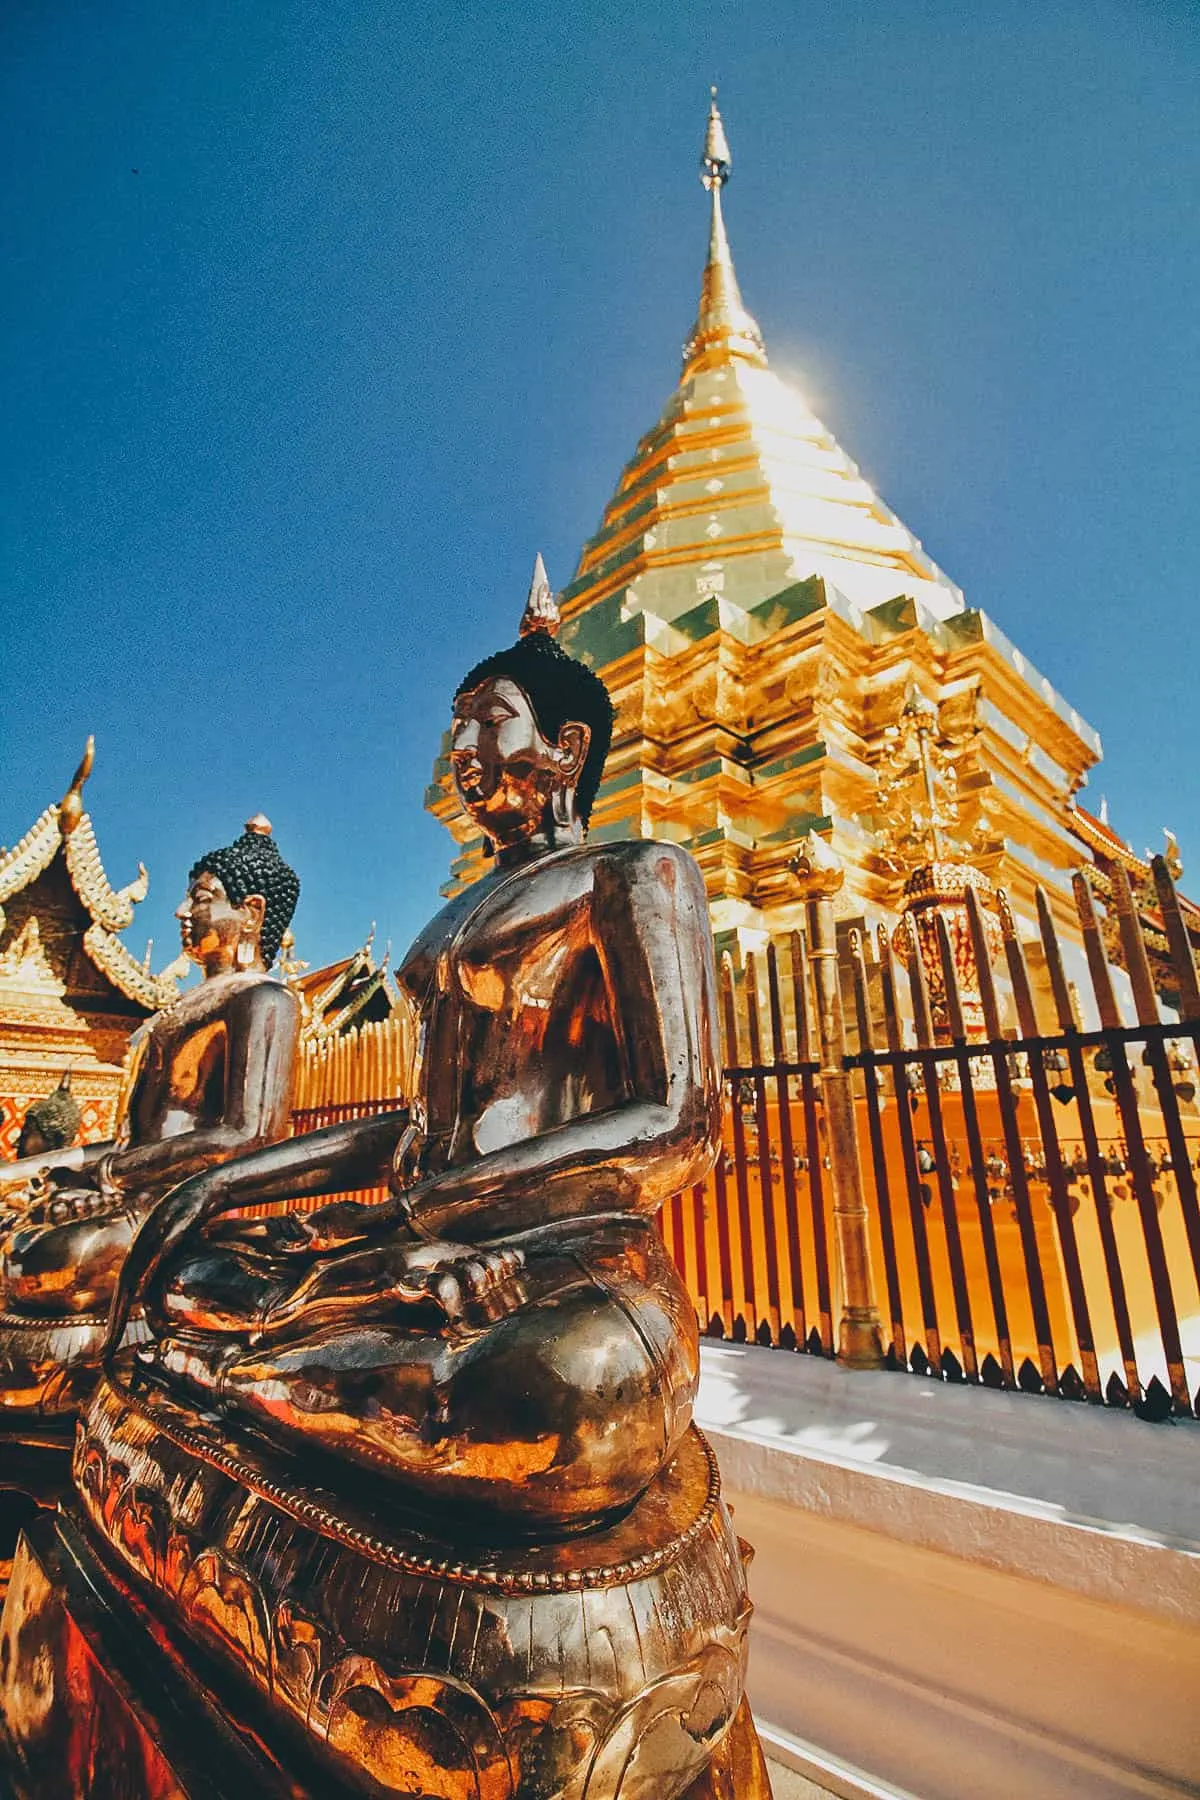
541	610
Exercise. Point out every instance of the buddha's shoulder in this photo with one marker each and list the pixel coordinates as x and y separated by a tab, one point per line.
249	997
642	860
268	995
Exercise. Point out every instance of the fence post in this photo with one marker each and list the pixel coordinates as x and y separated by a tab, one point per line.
860	1338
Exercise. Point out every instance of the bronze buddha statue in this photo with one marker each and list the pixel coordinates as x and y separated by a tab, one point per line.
208	1077
468	1407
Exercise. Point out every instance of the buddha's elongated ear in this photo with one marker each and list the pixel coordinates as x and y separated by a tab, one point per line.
574	738
255	908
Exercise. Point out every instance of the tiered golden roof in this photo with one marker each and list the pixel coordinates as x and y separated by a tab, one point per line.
67	829
71	991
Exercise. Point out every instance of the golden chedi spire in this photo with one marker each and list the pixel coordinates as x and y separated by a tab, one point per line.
739	492
723	327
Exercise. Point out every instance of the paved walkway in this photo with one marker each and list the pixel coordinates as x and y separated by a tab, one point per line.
787	1785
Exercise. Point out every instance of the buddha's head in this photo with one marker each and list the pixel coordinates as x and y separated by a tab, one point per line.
530	734
239	903
50	1124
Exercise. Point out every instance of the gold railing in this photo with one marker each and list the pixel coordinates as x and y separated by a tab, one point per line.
914	1172
375	1059
1031	1215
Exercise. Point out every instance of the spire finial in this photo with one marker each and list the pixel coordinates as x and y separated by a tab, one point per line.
723	327
716	161
541	611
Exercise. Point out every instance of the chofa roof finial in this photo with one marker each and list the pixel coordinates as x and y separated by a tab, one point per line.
70	807
541	612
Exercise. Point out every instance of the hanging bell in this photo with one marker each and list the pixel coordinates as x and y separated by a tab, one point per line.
1055	1063
925	1162
1182	1073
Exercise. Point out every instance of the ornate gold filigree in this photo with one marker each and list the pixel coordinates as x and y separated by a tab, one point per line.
25	962
125	972
466	1678
109	907
30	857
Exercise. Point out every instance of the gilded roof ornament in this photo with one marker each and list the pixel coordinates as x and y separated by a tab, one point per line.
111	907
541	609
125	972
70	808
723	327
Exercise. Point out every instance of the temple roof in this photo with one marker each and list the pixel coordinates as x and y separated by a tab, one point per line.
1108	848
342	994
739	490
65	831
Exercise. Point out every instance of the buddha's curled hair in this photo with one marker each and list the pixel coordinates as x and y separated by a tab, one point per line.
558	689
253	865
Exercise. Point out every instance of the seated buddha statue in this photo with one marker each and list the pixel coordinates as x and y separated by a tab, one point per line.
508	1335
208	1076
422	1471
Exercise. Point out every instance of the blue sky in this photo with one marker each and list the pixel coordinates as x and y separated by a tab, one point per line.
320	316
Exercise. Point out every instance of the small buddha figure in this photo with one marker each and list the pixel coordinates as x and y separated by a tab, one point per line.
210	1076
506	1339
51	1124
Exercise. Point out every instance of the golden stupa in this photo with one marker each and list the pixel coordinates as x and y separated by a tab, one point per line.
786	657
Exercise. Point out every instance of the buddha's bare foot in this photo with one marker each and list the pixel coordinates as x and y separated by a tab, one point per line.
456	1280
456	1274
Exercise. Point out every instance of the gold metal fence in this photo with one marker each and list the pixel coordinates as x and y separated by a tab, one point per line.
914	1172
1029	1210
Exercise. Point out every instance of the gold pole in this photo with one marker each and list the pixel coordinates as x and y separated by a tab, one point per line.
860	1338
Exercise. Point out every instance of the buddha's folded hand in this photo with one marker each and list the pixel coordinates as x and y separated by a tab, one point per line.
327	1229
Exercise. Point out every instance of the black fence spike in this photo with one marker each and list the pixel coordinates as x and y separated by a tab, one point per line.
1155	1405
1115	1391
1070	1384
